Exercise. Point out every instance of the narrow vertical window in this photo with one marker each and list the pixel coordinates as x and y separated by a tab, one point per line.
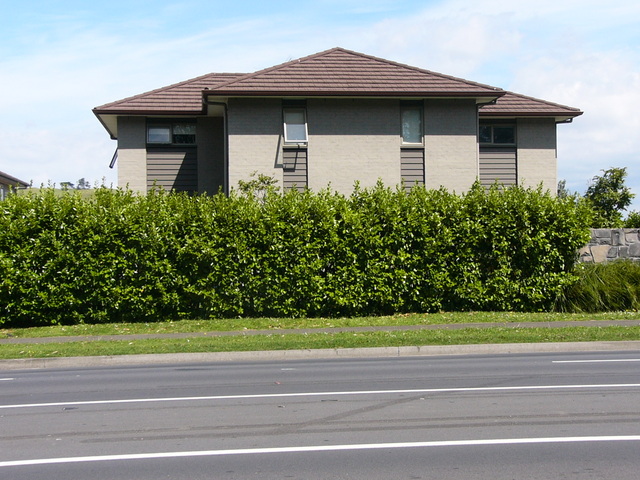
295	125
411	117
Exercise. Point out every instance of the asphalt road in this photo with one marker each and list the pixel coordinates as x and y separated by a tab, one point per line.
492	417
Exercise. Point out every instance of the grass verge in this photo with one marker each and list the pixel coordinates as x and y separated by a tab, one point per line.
277	341
240	324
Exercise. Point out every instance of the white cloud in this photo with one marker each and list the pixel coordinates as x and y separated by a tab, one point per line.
573	52
606	86
576	52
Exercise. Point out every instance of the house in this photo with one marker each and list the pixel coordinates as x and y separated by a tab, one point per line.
7	182
333	118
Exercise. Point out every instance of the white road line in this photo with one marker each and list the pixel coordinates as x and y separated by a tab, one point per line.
324	394
319	448
6	379
598	361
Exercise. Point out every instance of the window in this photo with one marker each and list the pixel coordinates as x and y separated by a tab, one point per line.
497	134
159	134
295	125
182	133
411	117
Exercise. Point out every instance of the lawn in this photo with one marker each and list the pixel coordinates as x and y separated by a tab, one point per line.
276	339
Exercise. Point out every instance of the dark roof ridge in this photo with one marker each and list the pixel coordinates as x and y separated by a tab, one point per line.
351	52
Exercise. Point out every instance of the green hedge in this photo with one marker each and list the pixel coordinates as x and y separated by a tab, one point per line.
124	257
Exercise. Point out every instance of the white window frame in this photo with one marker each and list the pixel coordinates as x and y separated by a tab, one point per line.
294	110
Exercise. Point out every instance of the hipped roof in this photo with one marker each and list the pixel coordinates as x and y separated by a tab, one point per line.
340	72
333	73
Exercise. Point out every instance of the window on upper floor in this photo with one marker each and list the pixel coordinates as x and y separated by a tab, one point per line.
295	125
411	118
177	133
497	134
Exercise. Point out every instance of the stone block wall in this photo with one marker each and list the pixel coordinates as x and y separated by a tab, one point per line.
609	244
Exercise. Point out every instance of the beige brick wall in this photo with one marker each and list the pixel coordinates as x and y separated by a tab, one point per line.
132	153
255	144
536	140
356	140
349	140
353	140
451	147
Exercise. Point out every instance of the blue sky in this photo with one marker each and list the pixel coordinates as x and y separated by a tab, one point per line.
59	59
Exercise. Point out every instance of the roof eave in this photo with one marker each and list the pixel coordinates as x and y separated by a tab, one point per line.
7	179
481	96
103	114
99	116
558	116
147	112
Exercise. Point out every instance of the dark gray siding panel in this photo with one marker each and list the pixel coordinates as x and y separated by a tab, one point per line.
412	166
211	154
173	169
498	164
294	166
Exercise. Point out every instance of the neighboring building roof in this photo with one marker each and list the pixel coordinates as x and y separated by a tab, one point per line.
6	179
340	72
516	105
335	72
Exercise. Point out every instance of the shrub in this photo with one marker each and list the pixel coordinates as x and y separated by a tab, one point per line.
603	287
124	257
516	248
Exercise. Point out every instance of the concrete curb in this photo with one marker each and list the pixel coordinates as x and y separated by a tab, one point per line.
284	355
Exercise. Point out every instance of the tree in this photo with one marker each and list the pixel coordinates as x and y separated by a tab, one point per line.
83	184
259	185
632	220
609	197
562	191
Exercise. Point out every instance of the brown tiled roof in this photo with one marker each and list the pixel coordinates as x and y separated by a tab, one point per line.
180	98
516	105
342	72
336	72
